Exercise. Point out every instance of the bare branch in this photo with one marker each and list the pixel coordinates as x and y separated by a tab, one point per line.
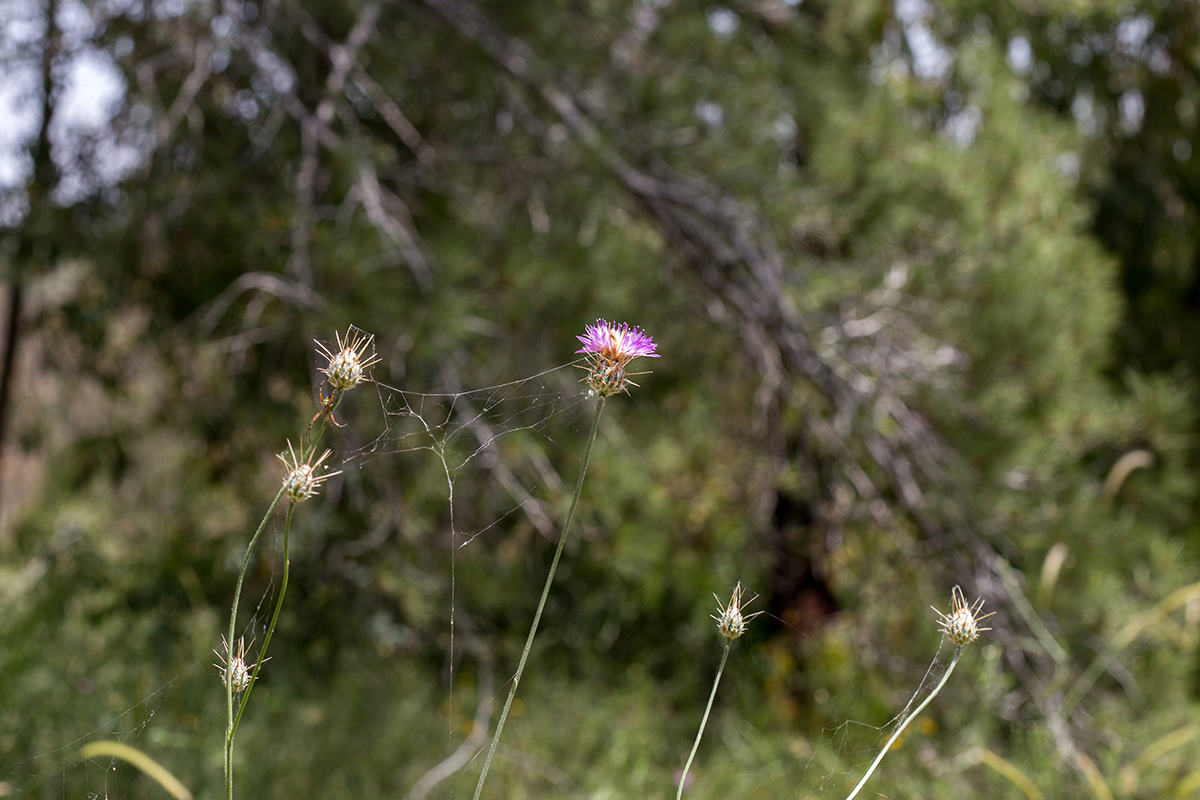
292	292
392	115
187	93
389	214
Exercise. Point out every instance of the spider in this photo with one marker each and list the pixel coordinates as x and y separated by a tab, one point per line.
326	410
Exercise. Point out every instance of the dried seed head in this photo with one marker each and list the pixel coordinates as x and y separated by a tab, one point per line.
731	622
235	672
609	349
347	367
302	480
962	623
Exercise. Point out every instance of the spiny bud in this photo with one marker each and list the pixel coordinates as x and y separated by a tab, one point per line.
962	623
302	480
348	366
235	672
731	622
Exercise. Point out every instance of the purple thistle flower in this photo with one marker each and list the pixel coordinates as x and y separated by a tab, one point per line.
617	342
610	347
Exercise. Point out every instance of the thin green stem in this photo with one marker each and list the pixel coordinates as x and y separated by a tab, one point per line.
703	722
237	596
231	723
916	712
537	617
262	653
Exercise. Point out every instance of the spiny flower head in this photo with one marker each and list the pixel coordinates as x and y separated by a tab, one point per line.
609	348
235	672
302	480
962	623
731	622
347	367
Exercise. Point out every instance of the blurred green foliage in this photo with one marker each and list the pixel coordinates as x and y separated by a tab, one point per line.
954	241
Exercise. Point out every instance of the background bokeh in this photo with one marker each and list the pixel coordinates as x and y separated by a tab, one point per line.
925	280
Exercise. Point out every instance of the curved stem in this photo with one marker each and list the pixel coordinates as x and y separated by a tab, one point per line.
237	596
703	722
537	617
916	712
262	653
231	722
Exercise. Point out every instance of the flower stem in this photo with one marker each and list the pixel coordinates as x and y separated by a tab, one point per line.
916	712
537	617
307	452
703	722
262	653
237	596
230	722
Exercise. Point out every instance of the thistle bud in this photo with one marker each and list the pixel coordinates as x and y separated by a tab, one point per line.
961	625
731	621
347	367
302	480
235	672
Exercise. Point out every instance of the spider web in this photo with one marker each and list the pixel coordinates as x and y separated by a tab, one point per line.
464	430
500	433
456	430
